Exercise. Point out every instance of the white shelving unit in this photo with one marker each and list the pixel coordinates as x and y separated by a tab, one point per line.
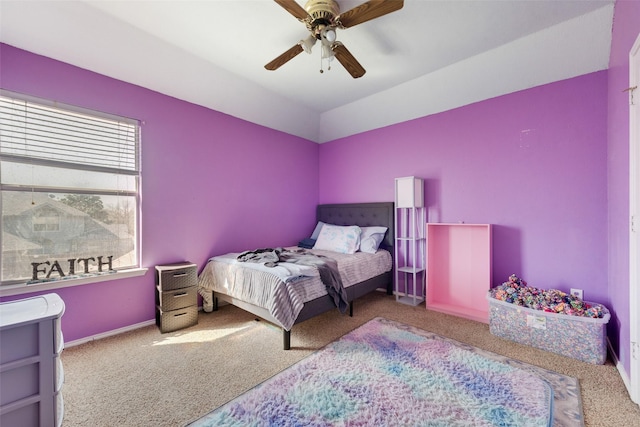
410	232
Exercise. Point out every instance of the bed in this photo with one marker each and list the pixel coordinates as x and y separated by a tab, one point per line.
223	279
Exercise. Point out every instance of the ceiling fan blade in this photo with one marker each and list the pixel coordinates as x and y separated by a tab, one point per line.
293	8
347	60
368	11
284	58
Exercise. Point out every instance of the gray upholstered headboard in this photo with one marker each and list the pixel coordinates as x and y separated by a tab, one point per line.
363	215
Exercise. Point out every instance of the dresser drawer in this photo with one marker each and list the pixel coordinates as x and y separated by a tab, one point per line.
177	298
176	276
170	321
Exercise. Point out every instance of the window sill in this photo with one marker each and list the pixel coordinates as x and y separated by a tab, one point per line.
23	288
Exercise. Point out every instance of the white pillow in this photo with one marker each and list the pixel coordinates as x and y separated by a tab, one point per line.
337	238
370	239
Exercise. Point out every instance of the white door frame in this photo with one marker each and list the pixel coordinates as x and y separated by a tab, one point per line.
634	215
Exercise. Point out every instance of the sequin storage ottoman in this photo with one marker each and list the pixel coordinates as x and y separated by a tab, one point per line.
578	337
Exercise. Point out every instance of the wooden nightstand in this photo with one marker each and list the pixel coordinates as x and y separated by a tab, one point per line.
176	296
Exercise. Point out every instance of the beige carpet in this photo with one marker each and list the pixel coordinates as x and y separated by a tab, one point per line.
145	378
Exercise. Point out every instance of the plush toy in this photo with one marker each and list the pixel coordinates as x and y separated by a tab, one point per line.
516	291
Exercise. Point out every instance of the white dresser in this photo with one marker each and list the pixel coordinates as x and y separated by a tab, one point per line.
31	374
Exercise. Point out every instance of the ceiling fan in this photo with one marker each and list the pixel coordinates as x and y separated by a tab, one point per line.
322	18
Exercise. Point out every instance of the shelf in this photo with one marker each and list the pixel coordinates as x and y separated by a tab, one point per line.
456	310
459	269
410	269
410	300
410	242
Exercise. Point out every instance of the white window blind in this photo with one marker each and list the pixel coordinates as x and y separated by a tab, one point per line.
32	131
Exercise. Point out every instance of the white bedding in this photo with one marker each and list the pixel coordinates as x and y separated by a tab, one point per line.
257	285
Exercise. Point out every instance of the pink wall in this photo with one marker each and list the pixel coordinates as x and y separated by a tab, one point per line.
211	183
533	163
626	27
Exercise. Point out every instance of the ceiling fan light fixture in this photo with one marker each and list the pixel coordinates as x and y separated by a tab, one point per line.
307	43
329	34
327	53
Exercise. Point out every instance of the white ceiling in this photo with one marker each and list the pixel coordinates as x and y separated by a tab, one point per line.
428	57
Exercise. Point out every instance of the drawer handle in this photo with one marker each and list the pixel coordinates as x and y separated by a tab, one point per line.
181	314
184	294
179	274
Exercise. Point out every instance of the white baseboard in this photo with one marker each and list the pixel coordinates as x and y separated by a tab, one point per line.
109	333
620	367
113	332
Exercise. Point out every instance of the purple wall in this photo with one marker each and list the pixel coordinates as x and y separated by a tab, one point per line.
211	183
548	166
626	27
534	163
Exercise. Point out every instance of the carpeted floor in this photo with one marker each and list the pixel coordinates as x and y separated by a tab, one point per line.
145	378
387	373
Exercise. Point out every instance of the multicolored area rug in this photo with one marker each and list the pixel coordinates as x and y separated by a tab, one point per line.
385	373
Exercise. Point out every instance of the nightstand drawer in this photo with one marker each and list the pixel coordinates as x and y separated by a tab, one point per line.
176	276
177	298
170	321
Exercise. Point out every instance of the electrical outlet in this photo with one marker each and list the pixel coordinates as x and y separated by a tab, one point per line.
576	293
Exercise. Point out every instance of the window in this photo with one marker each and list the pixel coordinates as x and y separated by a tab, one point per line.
46	220
69	191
